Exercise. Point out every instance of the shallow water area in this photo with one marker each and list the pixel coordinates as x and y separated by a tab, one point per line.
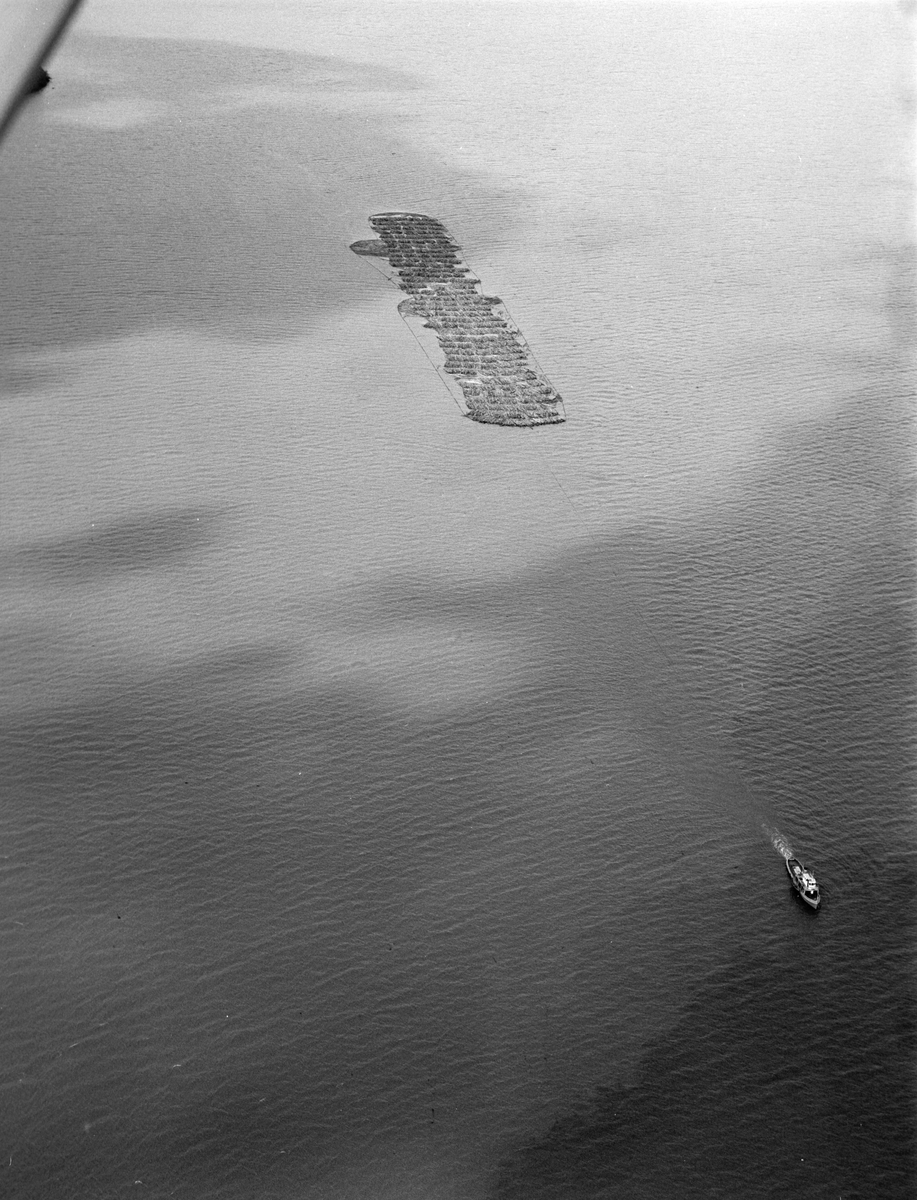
391	797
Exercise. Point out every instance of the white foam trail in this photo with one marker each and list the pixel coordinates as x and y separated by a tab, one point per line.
779	842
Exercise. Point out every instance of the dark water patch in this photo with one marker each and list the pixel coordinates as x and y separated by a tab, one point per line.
141	543
500	380
23	378
194	945
196	185
780	1079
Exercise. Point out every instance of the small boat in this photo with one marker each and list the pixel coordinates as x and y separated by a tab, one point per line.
804	882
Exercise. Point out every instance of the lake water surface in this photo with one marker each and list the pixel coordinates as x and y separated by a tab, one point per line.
390	800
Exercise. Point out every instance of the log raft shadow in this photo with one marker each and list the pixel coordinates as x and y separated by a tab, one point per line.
500	381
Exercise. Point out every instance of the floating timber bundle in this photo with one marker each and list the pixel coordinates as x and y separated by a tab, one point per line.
485	352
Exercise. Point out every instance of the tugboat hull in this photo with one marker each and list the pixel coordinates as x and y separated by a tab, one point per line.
803	882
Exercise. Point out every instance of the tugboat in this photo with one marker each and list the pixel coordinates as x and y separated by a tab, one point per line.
804	882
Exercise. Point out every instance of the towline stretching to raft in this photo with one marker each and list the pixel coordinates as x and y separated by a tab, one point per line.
500	381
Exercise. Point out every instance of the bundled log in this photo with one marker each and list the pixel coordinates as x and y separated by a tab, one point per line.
487	355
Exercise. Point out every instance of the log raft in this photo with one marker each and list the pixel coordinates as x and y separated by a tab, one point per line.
486	354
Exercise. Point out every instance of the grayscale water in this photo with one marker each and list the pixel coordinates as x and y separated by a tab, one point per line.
392	804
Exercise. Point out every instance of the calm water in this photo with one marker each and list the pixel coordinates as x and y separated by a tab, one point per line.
389	800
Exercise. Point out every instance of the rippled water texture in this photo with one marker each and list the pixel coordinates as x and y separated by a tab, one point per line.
391	800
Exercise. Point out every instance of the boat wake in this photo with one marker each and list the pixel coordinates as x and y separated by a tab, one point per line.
779	842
